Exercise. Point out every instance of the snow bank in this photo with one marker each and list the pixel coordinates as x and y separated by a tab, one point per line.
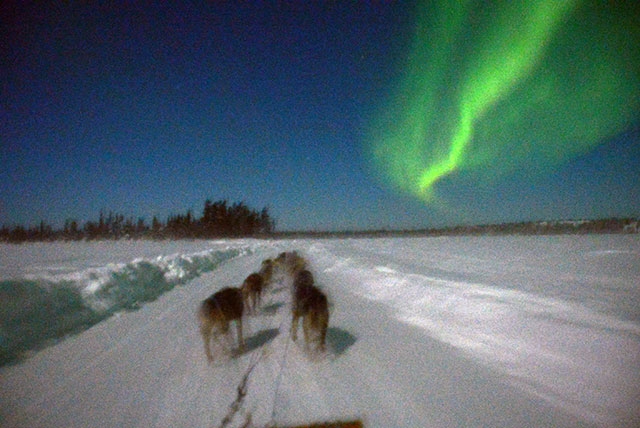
44	303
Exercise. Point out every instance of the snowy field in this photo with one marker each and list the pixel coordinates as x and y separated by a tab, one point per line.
424	332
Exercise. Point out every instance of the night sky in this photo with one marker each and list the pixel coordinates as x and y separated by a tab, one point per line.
304	107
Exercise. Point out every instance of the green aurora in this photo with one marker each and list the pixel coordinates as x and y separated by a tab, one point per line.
491	88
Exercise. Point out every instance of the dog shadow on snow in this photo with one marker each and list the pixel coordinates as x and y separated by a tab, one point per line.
259	339
271	309
339	340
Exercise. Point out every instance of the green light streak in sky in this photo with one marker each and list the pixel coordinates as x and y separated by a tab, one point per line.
493	87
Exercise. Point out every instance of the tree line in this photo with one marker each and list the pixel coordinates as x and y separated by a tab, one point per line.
219	219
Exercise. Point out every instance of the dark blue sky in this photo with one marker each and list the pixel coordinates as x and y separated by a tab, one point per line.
148	109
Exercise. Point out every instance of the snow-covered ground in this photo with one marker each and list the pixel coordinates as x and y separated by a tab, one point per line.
424	332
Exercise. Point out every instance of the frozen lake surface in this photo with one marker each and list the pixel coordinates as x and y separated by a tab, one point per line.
437	332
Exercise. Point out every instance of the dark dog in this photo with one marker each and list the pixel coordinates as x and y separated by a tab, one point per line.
311	304
266	271
216	312
252	291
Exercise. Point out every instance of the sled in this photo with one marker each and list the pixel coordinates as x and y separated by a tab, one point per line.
337	424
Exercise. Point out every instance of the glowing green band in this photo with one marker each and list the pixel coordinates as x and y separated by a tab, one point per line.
491	87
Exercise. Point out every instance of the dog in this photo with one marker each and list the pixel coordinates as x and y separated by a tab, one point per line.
279	262
216	312
290	263
252	291
298	264
310	304
266	271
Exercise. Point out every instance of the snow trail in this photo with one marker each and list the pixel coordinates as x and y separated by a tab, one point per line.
413	340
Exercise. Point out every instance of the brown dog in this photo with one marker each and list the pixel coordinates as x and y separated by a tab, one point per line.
290	263
252	291
216	312
266	271
311	304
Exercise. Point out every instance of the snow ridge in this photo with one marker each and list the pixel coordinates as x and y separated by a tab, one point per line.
39	310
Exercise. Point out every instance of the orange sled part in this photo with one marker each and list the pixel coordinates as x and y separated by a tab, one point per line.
348	424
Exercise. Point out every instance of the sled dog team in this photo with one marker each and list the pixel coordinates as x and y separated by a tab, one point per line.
307	302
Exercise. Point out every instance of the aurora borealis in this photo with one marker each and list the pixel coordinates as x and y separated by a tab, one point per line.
494	87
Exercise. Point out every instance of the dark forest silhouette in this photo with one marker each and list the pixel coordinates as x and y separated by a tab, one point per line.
222	220
553	227
219	219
